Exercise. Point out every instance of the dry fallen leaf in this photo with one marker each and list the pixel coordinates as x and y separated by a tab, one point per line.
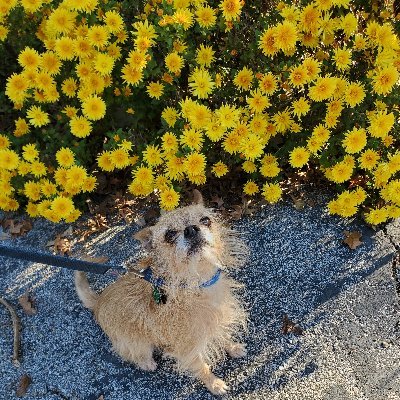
352	239
298	202
60	245
23	385
237	213
17	228
27	303
289	326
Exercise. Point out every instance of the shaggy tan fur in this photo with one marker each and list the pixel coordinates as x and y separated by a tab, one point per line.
196	325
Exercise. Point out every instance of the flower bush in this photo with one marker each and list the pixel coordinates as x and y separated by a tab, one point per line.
178	91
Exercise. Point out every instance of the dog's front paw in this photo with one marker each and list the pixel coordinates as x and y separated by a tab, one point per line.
218	386
147	365
237	350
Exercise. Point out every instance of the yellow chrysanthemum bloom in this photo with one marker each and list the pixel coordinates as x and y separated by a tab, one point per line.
169	115
355	140
377	216
298	76
169	142
380	123
199	116
48	188
152	156
244	78
282	121
183	17
301	107
348	24
354	94
62	206
258	102
231	9
65	157
251	146
137	59
113	21
342	58
195	164
249	167
155	89
250	188
205	16
192	139
65	48
4	142
313	68
169	199
340	172
32	190
37	117
175	167
29	58
268	83
143	175
385	79
323	89
214	130
227	115
131	75
30	152
298	157
8	159
60	21
80	126
272	192
31	6
140	189
103	64
285	36
120	158
309	19
32	210
69	87
50	63
94	108
105	162
267	42
201	83
16	87
205	55
369	159
98	36
219	169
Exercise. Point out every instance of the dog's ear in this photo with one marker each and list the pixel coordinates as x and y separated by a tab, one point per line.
197	197
145	237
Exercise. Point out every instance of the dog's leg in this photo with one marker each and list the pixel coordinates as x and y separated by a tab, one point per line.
136	351
201	370
236	350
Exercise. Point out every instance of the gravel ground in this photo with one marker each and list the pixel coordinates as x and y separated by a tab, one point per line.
344	300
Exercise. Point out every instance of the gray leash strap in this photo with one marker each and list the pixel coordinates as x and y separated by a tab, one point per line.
57	261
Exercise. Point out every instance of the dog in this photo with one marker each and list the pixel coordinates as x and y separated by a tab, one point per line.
187	306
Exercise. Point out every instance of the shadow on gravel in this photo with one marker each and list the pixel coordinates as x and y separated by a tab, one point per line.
298	264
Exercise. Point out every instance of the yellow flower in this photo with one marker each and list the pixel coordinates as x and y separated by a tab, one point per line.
29	58
251	146
267	42
175	167
192	138
250	188
31	210
143	175
4	142
214	130
342	58
37	117
244	78
169	199
137	59
119	158
16	87
340	172
62	206
355	140
272	192
48	188
385	79
219	169
8	159
195	164
199	115
152	156
323	89
113	21
98	36
258	102
103	64
80	126
377	216
141	189
354	94
205	16
32	190
94	108
30	152
155	89
174	62
31	6
380	123
228	116
65	48
309	19
200	83
131	75
169	142
282	121
105	162
249	167
205	55
349	24
61	21
313	68
268	83
285	36
301	106
69	87
298	76
299	157
232	143
231	9
391	192
65	157
183	17
369	159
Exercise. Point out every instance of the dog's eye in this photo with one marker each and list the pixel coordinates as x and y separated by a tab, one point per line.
205	221
170	235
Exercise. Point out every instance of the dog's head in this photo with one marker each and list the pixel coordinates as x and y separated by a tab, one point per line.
189	240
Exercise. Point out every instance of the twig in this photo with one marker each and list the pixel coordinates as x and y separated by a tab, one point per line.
16	326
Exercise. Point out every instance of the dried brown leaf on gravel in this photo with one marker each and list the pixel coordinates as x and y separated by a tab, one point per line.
27	303
23	385
60	245
16	228
352	239
289	326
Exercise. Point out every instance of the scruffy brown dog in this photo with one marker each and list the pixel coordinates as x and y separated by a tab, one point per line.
186	305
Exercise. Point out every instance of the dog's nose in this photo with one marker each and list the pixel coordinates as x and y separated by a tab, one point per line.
191	231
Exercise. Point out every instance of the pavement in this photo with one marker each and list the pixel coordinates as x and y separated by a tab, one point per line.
344	300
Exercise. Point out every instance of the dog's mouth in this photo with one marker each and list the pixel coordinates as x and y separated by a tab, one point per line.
195	246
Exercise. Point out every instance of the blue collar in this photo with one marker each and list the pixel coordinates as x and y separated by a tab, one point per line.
159	282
